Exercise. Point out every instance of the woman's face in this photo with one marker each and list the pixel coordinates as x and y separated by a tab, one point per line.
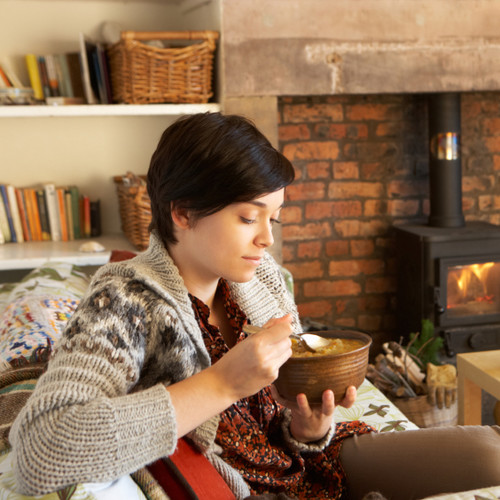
230	243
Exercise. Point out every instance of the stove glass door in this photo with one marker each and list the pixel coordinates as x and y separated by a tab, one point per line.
472	290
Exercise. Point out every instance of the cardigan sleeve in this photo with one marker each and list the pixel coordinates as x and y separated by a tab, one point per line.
298	446
82	424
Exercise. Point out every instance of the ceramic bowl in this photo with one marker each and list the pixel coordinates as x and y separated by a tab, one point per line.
313	375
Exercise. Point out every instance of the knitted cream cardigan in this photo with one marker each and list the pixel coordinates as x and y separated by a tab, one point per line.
102	410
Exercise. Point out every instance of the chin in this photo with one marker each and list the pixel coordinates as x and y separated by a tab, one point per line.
241	277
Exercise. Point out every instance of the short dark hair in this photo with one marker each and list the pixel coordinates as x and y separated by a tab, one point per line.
205	162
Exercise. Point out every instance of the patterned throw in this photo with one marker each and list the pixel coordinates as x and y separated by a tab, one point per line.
35	310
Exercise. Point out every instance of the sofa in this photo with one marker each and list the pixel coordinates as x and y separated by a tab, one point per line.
33	314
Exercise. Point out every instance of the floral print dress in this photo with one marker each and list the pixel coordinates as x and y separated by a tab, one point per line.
250	430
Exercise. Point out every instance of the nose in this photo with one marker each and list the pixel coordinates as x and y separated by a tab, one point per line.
265	238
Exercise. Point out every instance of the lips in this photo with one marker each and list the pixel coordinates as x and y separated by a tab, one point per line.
253	260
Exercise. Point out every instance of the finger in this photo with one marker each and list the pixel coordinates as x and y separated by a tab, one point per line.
278	332
275	342
328	403
303	405
349	398
287	318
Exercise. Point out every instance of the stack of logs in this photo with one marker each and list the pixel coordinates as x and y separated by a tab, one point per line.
398	375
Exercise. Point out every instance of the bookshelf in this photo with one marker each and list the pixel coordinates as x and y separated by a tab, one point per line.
34	253
83	110
84	145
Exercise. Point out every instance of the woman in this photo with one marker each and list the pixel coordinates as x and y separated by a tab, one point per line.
156	351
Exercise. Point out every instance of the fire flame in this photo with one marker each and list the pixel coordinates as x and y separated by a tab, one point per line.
468	284
478	270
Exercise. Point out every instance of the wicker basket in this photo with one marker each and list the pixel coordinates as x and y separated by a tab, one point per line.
423	414
143	74
135	209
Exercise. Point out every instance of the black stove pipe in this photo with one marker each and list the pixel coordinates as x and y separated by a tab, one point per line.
445	167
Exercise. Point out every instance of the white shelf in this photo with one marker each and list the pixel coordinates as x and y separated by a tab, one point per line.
106	110
29	255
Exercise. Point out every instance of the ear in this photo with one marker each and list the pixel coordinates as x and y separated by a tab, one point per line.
180	216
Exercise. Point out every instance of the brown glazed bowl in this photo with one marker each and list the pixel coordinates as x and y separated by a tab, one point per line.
315	374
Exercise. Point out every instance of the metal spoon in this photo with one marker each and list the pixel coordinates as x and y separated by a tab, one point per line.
250	329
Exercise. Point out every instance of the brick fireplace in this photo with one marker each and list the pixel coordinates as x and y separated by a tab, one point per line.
341	88
362	167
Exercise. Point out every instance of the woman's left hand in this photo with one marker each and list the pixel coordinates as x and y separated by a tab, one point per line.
311	423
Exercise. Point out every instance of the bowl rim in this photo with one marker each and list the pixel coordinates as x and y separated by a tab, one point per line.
337	334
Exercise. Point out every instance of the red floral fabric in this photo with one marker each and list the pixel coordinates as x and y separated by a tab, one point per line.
250	430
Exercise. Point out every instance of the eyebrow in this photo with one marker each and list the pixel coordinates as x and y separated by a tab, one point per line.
262	205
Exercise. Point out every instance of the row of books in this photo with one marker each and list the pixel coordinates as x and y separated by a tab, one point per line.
47	212
56	75
72	78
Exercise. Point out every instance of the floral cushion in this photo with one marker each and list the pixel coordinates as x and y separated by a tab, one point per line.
35	310
373	408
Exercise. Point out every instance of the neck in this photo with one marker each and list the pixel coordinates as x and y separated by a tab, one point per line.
203	289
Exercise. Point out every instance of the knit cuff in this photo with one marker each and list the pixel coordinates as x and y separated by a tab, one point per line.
147	423
295	445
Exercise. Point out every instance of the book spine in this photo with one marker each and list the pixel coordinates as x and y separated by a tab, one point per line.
4	223
86	216
62	64
23	215
42	69
14	208
69	214
106	72
34	75
75	72
44	216
86	76
53	211
13	236
62	213
75	205
29	213
4	79
52	75
36	215
95	218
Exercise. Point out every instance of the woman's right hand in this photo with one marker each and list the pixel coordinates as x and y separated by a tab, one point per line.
244	370
254	363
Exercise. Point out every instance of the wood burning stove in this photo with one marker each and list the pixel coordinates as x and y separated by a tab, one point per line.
452	277
449	270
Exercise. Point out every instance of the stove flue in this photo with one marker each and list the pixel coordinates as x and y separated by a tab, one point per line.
445	165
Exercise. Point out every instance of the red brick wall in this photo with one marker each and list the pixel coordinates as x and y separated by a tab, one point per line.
362	166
